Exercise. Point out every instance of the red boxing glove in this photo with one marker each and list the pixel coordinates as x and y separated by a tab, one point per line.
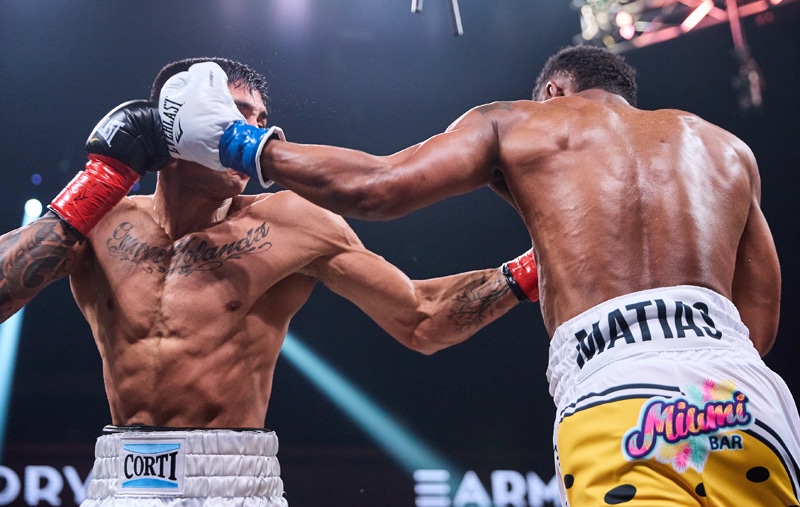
522	277
93	192
127	143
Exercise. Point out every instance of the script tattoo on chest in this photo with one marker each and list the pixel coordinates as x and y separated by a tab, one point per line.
188	255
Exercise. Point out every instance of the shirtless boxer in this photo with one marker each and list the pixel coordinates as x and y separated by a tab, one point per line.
189	293
660	282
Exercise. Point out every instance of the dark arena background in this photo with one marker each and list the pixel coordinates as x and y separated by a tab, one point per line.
363	421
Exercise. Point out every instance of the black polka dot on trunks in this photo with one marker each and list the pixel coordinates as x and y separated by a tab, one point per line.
620	494
757	474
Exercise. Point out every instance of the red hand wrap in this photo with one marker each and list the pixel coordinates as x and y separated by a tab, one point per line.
93	192
522	277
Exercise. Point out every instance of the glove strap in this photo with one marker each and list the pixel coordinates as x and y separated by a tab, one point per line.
93	192
240	148
271	133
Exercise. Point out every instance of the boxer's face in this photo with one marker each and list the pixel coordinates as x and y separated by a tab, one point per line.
251	105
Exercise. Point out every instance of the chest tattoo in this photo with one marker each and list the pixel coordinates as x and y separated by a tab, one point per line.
188	255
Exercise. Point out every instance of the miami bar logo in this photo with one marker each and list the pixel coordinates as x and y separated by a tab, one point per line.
683	430
152	467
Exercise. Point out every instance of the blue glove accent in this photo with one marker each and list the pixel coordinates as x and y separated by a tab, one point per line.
239	147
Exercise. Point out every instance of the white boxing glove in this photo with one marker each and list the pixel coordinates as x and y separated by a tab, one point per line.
195	108
202	123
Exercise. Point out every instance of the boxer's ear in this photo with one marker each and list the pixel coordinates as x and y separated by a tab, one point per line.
553	89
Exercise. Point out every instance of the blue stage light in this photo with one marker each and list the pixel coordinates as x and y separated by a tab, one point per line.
9	339
403	446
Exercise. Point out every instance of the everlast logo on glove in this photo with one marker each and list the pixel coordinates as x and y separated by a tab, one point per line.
151	466
169	110
109	129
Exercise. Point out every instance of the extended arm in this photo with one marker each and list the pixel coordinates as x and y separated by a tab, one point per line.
460	305
453	308
349	182
360	185
424	315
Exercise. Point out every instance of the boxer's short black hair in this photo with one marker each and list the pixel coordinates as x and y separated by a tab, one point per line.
238	73
590	67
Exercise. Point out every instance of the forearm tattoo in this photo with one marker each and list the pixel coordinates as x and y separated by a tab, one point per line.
475	303
32	257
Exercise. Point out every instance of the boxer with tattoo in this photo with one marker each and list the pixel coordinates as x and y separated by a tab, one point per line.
189	293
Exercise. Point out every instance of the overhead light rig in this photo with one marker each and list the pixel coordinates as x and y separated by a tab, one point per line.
455	14
622	25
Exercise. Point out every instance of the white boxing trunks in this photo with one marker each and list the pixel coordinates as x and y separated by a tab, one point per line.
662	400
167	467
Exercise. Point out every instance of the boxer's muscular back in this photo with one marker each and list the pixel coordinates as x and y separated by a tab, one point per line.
618	199
190	330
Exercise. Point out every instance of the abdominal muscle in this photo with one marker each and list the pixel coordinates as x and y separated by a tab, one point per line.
195	346
189	351
196	380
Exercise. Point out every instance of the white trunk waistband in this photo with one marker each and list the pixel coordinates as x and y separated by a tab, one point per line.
187	464
669	318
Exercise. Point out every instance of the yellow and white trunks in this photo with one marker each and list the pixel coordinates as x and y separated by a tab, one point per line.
662	400
162	467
